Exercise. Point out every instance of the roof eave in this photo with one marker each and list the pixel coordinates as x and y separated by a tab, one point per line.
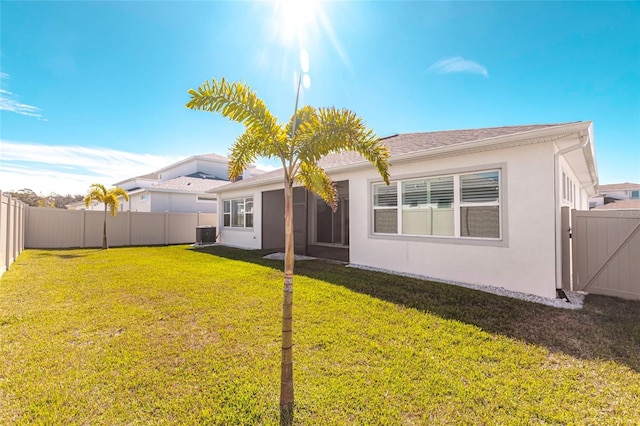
547	134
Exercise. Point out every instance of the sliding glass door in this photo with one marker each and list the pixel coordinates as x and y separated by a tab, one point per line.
332	228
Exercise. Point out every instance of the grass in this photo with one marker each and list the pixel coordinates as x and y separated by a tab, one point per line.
157	335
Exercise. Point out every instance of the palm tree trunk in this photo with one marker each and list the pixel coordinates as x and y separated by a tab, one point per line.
286	376
104	229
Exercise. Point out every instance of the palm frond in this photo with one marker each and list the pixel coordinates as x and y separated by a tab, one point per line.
111	200
303	115
96	192
243	153
316	180
237	102
119	192
334	130
101	194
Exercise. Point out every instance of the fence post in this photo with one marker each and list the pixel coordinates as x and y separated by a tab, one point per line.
27	220
83	228
575	261
14	248
566	247
3	265
166	228
7	253
20	228
129	226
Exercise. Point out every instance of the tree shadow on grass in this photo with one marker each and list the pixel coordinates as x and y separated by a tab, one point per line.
606	328
65	253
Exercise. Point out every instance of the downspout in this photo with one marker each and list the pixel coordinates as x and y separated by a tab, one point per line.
584	141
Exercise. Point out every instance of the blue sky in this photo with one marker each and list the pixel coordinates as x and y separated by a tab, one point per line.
95	91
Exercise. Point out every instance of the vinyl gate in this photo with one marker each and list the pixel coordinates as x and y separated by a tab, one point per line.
605	249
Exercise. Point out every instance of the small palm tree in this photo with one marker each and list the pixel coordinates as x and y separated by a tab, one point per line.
109	197
309	135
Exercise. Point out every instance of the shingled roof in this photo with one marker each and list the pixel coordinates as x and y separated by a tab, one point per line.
620	205
619	187
407	143
188	184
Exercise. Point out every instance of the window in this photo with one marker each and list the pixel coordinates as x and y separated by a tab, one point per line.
238	212
144	197
465	205
427	207
635	194
480	205
206	199
568	188
385	209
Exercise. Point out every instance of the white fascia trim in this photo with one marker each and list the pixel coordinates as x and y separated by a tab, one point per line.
177	191
137	191
590	156
240	184
134	179
188	159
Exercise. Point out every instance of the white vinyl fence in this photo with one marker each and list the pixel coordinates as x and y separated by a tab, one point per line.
606	252
58	228
12	224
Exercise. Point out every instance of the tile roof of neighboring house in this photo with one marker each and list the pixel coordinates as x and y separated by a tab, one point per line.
407	143
619	186
153	176
620	205
156	174
188	184
202	175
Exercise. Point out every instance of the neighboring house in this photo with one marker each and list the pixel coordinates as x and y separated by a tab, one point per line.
478	206
617	196
185	186
620	205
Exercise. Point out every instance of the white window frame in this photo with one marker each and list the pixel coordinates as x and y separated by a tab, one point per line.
460	204
634	194
568	189
457	207
227	212
212	199
397	207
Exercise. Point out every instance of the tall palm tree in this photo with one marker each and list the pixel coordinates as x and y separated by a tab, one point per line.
109	197
309	135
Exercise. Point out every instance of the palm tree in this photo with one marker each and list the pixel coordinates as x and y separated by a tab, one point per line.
109	197
309	135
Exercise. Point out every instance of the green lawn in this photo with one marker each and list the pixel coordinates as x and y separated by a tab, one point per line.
182	336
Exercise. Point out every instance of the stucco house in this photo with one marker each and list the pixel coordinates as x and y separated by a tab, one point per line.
617	196
477	206
180	187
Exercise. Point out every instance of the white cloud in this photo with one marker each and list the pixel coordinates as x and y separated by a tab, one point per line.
70	169
9	103
458	64
267	167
